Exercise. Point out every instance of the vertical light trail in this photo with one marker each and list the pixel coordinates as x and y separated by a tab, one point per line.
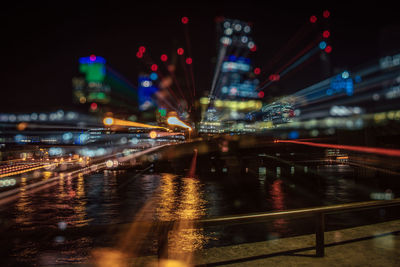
176	82
221	56
187	82
189	47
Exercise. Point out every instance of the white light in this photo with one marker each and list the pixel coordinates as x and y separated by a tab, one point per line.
244	39
42	117
345	74
109	163
226	40
251	44
12	118
146	84
34	116
60	113
246	29
227	24
228	31
71	115
67	136
53	116
238	27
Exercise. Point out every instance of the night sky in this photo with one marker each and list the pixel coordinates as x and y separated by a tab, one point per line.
41	43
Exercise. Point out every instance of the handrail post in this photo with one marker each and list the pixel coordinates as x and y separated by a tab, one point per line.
319	235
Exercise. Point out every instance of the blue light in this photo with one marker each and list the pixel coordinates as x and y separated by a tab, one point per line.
18	138
293	135
357	79
67	136
87	60
322	45
153	76
232	58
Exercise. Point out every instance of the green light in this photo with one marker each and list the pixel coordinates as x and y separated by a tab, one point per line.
98	96
163	112
95	72
101	95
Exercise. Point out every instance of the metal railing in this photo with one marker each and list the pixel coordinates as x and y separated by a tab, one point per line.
317	212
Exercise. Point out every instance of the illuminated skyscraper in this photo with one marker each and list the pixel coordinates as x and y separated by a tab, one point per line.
102	88
234	79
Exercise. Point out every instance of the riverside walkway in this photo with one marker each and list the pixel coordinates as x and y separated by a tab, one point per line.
370	245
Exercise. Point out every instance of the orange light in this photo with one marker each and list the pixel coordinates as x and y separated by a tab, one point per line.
153	134
22	126
108	121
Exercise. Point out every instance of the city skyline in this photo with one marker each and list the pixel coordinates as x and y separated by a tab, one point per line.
44	42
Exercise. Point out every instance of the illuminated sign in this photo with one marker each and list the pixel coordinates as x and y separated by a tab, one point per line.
93	67
341	83
235	105
146	89
245	89
389	61
229	66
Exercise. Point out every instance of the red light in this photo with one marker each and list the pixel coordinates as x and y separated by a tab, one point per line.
139	54
219	19
180	51
164	57
328	49
142	49
326	14
185	20
257	71
154	67
189	60
92	57
253	49
274	77
313	19
374	150
326	34
93	106
261	94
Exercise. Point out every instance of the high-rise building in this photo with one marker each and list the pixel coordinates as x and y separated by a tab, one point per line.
234	80
102	88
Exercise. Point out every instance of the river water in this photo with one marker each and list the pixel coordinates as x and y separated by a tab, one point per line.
94	209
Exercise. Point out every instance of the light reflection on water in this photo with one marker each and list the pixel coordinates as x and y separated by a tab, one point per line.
24	210
278	203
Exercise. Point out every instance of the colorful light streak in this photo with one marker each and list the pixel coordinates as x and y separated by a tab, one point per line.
108	121
373	150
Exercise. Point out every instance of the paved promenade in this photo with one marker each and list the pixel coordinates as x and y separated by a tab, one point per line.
370	245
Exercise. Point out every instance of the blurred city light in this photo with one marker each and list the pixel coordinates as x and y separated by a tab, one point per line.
177	122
